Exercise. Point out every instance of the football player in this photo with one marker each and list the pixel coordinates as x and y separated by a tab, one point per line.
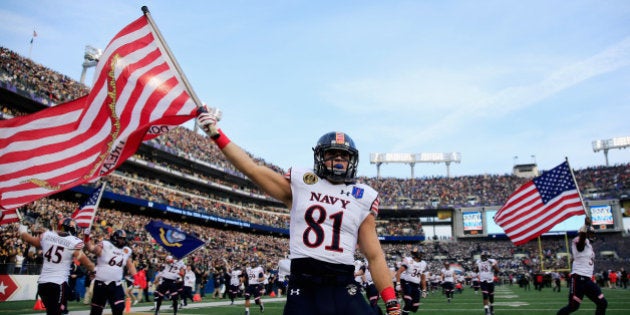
330	215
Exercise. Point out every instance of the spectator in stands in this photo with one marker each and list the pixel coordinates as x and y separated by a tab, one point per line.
582	273
333	178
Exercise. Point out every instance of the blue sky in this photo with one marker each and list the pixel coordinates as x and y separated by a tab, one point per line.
493	80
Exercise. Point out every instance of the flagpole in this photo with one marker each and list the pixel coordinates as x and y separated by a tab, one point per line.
160	38
566	241
30	48
19	215
98	201
576	186
196	249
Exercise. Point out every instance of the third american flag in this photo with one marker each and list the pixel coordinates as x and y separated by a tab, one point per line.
84	215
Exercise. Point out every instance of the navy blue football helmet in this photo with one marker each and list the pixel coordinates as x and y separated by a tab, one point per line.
417	253
69	226
336	141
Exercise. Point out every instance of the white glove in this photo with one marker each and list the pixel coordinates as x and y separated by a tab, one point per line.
22	229
424	294
398	287
207	118
241	287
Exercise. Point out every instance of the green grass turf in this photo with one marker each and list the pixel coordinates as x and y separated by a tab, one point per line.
508	300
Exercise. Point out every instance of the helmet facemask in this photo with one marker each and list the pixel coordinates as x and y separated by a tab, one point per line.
69	226
417	254
484	255
119	238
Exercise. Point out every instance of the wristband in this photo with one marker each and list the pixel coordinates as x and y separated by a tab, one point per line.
221	139
388	294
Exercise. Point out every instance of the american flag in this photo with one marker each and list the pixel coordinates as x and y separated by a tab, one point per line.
540	204
84	215
137	95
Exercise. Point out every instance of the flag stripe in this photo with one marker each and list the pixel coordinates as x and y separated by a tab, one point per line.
136	96
539	211
544	218
9	216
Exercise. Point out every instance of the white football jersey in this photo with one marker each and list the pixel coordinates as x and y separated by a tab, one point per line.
190	279
584	261
474	276
413	270
111	263
171	271
284	268
58	254
325	217
235	277
357	267
448	275
254	274
486	270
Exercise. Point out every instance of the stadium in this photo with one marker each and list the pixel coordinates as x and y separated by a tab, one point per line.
182	179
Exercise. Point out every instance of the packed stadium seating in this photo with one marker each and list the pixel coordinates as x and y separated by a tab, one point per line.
182	169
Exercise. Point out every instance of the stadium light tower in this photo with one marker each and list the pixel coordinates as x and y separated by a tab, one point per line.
90	59
614	143
412	159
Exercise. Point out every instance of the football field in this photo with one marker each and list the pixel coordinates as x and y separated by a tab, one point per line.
509	300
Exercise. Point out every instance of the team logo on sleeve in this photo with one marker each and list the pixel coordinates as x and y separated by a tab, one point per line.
310	178
357	192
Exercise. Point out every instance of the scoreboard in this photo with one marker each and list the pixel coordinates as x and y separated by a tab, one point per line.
602	217
471	222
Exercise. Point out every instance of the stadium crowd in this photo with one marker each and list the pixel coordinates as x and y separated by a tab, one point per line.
38	81
237	246
16	257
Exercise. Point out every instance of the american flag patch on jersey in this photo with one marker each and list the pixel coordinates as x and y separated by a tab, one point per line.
357	192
